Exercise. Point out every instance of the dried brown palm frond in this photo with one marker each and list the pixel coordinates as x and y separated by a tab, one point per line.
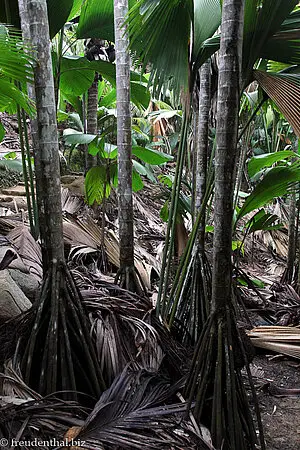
138	411
70	203
122	332
85	237
275	240
113	299
9	223
43	419
126	331
280	339
150	215
14	389
28	249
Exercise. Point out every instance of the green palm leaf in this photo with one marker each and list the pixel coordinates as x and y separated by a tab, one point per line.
274	184
284	90
261	23
257	163
14	62
159	33
207	19
58	13
77	75
97	20
15	66
10	97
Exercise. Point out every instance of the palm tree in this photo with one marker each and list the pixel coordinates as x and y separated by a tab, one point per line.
126	272
202	143
48	346
230	61
227	414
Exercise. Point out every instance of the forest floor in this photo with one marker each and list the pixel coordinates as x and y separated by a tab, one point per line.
265	260
280	413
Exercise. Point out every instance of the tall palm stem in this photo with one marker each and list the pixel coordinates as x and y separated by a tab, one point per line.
226	152
124	143
202	147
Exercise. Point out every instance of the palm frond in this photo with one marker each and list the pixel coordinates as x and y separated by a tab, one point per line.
284	90
40	419
70	203
279	339
207	19
14	62
28	249
136	413
15	66
85	237
262	21
159	33
121	325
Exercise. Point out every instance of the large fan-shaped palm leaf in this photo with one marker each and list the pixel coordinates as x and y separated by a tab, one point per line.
15	66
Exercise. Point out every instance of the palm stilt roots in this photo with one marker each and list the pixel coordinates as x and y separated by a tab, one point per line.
59	353
215	383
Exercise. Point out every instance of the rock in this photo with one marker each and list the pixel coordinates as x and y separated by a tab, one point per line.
29	283
12	299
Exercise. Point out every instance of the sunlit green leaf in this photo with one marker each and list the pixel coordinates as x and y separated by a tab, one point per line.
274	184
259	162
97	186
72	137
10	155
151	156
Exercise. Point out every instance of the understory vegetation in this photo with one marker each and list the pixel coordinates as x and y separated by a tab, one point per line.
149	219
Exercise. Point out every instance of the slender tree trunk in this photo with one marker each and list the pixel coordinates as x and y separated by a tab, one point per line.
227	132
124	137
292	238
49	353
23	13
91	119
203	128
46	140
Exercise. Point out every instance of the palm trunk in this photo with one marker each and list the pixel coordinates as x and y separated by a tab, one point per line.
226	152
91	119
48	149
124	137
215	368
23	13
202	147
57	326
292	238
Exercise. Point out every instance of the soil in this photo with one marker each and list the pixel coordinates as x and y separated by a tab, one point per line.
280	415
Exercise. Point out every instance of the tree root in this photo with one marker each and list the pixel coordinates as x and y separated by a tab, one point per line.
215	384
59	354
129	278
